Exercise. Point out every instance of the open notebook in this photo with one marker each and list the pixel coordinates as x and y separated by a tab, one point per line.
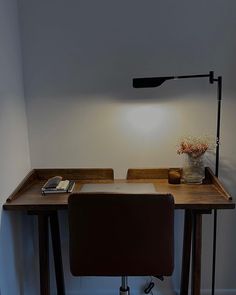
130	188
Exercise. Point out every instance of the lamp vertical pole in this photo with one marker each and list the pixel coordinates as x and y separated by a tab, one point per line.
219	98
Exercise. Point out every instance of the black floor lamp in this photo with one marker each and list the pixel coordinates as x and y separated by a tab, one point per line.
157	81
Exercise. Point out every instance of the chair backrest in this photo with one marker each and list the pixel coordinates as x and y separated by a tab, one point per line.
121	234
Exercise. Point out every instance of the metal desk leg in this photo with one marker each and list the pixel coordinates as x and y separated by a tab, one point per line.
56	245
196	253
43	254
186	256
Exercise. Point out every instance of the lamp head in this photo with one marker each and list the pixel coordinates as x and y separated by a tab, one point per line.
149	82
157	81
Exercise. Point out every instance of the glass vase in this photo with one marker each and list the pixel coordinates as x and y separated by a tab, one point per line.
193	169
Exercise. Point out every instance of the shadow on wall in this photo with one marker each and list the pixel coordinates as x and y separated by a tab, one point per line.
95	75
18	236
226	226
73	55
227	171
11	254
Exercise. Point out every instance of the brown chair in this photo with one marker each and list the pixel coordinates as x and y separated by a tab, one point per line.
114	234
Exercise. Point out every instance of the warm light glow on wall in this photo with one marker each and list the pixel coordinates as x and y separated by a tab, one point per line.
145	119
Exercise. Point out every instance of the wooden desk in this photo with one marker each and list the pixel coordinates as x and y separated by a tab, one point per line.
194	199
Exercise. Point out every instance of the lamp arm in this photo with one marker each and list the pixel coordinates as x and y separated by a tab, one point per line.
193	76
210	75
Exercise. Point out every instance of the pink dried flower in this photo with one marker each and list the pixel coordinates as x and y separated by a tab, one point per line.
194	146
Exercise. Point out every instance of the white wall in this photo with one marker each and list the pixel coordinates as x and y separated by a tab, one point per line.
14	149
79	60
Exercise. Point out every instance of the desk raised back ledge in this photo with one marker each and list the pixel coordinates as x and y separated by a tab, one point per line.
144	174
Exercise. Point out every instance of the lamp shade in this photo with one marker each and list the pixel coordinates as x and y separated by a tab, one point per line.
149	82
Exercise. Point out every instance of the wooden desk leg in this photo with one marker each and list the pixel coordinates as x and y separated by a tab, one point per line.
43	254
186	256
56	245
196	253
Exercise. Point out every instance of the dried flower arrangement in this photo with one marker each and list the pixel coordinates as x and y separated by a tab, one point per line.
194	146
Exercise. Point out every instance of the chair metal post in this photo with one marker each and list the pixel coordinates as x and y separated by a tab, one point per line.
124	289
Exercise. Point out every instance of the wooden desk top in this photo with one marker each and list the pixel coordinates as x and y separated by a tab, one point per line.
27	196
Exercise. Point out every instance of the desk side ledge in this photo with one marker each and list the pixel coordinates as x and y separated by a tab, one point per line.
216	182
28	180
